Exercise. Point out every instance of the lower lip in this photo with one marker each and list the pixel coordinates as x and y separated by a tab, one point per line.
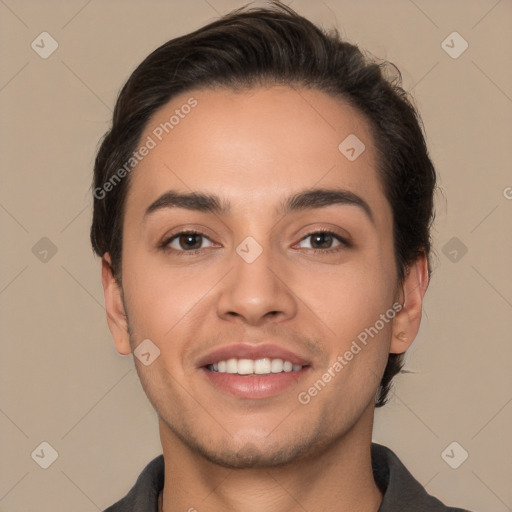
255	386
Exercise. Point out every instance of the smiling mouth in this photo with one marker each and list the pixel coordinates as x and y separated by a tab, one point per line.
248	367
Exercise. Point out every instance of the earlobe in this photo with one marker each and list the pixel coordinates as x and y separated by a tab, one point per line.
406	323
116	315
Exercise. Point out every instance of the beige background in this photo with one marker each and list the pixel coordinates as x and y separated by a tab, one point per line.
61	380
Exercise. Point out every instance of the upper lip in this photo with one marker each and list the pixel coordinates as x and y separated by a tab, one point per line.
251	351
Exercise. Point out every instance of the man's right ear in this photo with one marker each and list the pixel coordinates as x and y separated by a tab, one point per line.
116	315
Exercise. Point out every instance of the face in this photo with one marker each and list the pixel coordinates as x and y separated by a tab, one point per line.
281	258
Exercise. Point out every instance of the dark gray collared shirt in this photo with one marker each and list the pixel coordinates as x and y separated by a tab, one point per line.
402	493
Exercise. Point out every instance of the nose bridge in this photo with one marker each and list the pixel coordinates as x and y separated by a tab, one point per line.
256	287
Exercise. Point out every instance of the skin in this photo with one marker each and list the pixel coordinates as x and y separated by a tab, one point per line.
255	148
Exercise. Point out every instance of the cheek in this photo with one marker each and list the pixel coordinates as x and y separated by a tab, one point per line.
348	298
355	313
354	309
165	302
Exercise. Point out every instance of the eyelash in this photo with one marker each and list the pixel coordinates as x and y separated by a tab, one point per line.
165	244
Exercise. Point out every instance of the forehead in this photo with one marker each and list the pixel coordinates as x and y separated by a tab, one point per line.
255	146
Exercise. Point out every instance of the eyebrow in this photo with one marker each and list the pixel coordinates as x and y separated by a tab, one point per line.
309	199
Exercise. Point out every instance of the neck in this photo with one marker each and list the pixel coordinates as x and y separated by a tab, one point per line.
339	478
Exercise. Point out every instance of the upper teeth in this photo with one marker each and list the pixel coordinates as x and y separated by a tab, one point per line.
257	366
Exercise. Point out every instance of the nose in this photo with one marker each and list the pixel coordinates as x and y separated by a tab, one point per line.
257	292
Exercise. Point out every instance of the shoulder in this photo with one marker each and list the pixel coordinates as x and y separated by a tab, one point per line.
401	491
143	496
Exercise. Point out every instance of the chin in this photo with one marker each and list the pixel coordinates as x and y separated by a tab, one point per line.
253	450
251	456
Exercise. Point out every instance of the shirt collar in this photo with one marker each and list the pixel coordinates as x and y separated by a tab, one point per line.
401	492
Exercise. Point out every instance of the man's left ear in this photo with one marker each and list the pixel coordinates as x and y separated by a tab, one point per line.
406	323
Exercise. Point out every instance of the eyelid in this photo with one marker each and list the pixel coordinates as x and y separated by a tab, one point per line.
333	229
344	241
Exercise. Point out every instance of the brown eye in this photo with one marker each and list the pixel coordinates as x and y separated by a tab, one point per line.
190	241
186	241
324	241
321	240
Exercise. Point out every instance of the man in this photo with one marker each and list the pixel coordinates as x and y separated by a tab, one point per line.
262	207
